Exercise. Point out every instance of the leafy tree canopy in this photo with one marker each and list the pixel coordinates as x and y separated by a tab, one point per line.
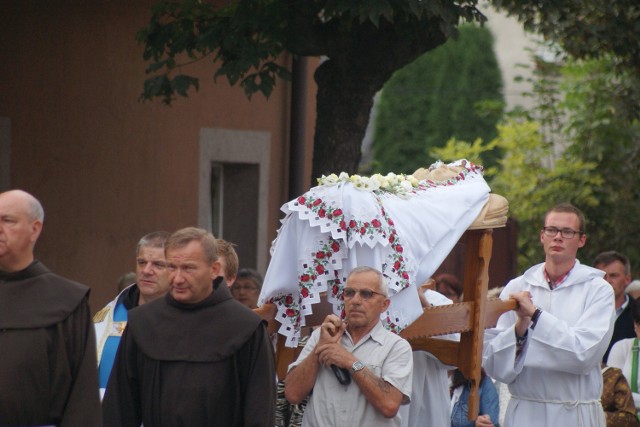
589	29
596	171
452	91
363	42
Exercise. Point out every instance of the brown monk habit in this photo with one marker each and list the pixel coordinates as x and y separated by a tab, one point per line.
204	364
48	373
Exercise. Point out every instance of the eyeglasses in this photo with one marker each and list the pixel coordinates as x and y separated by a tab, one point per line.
365	294
567	233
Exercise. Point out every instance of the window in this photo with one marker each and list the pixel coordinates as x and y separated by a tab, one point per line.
234	191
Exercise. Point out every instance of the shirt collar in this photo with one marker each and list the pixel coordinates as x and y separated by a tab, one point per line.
623	306
377	334
554	284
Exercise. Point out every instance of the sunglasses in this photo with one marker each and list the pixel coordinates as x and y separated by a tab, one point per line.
365	294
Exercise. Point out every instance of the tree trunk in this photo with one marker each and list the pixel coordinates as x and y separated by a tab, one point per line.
358	65
343	106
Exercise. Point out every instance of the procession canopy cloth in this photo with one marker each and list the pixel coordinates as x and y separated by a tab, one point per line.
405	226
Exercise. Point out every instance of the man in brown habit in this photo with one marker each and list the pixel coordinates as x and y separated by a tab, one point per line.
48	372
195	357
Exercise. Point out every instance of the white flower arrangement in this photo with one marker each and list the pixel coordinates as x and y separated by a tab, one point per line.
398	184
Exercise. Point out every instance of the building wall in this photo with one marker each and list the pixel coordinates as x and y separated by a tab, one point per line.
513	48
107	167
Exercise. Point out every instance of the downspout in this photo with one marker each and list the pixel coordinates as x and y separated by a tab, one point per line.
298	127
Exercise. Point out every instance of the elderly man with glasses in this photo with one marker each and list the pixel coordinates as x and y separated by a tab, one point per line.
549	349
376	364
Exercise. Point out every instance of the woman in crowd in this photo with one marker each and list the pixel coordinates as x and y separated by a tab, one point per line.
489	406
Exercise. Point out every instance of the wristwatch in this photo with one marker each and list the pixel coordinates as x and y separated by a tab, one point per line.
535	317
357	366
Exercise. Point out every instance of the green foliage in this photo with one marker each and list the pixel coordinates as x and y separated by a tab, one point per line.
524	177
605	132
597	170
246	37
585	28
234	35
252	42
452	91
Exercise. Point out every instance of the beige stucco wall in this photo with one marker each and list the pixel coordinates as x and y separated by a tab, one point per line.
513	49
106	167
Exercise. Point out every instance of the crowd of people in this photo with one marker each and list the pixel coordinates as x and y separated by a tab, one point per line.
182	346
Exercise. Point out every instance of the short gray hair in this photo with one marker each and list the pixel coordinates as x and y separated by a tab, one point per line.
382	281
36	212
156	239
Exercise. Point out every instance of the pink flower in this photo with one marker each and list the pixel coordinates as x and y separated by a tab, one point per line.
304	292
316	202
321	213
302	200
399	249
352	224
396	265
288	300
376	223
304	278
319	269
405	275
335	246
319	254
337	212
291	312
343	225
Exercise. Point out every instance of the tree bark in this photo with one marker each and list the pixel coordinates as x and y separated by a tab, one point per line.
358	65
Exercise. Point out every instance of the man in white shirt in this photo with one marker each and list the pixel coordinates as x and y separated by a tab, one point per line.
549	349
380	362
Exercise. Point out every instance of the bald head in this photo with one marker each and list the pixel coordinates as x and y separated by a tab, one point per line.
30	203
21	218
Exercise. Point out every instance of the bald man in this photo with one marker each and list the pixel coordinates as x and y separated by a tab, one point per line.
48	372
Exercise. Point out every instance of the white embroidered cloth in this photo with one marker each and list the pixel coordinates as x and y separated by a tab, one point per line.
331	229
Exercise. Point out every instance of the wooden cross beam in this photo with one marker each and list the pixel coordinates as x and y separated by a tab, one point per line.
470	317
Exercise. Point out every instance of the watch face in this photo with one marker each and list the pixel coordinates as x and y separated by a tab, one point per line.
357	366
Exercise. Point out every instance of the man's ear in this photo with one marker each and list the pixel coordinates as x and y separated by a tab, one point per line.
583	240
215	269
36	229
385	305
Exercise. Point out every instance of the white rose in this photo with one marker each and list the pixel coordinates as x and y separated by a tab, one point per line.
331	179
392	178
406	186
